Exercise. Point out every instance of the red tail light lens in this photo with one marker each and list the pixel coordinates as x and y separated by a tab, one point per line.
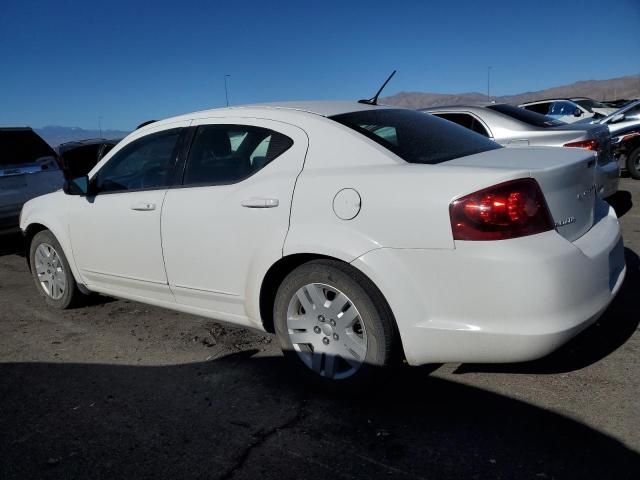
588	144
507	210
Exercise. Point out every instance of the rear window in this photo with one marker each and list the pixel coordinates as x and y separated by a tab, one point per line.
527	116
20	146
416	137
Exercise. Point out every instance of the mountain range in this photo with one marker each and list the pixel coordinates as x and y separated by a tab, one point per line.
612	89
615	88
55	135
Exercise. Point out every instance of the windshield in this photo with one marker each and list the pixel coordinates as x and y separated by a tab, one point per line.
630	111
416	137
527	116
588	104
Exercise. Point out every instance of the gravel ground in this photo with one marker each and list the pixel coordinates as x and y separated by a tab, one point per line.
122	390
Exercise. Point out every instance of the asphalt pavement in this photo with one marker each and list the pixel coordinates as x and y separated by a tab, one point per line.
116	389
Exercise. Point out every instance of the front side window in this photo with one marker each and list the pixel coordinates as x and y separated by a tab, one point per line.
225	154
416	137
144	164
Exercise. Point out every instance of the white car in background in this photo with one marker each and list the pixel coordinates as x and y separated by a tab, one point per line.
565	110
357	233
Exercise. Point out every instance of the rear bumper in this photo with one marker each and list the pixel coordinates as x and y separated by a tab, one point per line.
608	179
504	301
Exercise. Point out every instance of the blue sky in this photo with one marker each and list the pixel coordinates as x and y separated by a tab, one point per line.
68	63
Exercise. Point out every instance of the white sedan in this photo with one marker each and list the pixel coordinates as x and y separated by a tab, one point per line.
357	233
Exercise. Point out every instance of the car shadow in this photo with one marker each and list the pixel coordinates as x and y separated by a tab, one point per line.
245	416
11	244
621	201
609	333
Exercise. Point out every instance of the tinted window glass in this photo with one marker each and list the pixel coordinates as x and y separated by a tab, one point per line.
541	108
633	113
224	154
417	137
465	120
563	108
21	146
146	163
532	118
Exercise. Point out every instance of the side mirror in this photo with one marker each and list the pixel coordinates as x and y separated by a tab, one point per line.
77	186
577	113
618	117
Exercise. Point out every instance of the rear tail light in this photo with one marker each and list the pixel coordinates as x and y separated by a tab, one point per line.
588	144
508	210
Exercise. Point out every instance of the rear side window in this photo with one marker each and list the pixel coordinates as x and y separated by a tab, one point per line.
416	137
465	120
225	154
541	108
526	116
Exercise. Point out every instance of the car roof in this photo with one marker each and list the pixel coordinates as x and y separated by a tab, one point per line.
459	108
324	108
551	100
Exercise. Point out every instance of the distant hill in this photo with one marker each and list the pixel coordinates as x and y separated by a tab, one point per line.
614	88
55	135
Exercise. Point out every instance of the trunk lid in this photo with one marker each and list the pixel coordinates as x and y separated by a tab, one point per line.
592	131
565	175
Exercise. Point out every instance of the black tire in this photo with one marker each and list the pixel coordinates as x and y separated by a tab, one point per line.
71	294
374	314
633	163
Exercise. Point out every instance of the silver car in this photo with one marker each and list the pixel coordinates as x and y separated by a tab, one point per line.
28	168
627	116
512	126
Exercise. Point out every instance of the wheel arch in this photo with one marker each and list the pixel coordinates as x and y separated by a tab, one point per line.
285	265
34	227
31	231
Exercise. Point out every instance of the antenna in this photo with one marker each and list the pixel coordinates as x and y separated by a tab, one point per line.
374	100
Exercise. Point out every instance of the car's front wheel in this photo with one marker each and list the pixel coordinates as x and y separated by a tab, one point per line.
633	163
333	323
51	272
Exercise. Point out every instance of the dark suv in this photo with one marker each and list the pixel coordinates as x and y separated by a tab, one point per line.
29	167
79	157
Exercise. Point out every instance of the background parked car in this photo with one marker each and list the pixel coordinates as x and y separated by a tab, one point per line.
513	126
561	109
627	116
626	148
594	106
28	168
79	157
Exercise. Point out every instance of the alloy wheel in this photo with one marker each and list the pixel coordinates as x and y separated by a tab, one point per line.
326	331
50	271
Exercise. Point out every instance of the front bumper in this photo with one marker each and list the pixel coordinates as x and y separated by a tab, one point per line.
502	301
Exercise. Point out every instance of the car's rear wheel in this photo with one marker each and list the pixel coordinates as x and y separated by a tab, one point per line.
633	163
333	323
51	272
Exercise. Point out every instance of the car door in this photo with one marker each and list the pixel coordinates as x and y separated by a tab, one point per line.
115	231
227	224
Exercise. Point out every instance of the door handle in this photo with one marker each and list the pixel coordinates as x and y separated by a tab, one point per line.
143	206
261	203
